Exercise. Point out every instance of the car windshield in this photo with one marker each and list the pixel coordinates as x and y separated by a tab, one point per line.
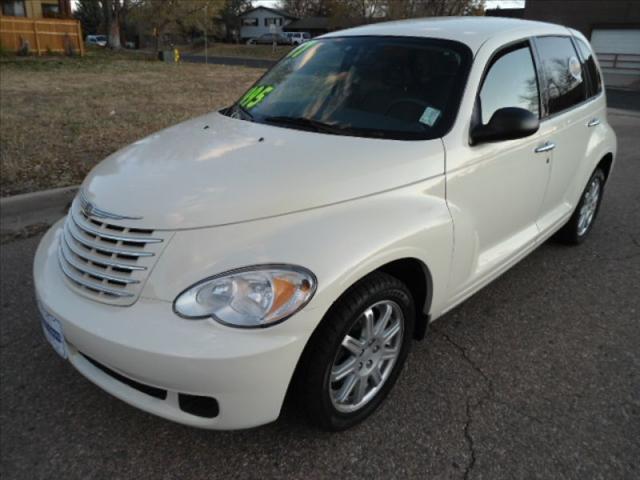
371	86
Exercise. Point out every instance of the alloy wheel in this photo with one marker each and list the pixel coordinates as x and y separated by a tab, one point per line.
589	206
366	356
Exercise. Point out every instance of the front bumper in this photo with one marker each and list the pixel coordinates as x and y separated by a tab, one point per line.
246	371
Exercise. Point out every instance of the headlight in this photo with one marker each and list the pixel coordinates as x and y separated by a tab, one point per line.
251	297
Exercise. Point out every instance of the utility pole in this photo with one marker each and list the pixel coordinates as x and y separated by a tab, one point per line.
206	51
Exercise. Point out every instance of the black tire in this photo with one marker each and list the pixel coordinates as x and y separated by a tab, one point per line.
571	233
322	350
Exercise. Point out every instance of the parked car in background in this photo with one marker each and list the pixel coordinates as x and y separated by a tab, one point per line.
312	230
270	39
296	38
99	40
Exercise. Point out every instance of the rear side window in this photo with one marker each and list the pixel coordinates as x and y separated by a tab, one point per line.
510	82
562	70
589	65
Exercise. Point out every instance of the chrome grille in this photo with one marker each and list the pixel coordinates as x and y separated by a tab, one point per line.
106	261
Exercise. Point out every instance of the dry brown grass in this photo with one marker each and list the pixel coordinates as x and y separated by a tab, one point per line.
60	116
243	50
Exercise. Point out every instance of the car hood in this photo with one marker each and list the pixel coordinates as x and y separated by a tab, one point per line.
216	170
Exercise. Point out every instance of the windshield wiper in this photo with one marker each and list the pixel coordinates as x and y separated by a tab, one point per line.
233	111
317	126
306	124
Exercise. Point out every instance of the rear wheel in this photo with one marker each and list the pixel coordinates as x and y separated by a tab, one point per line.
357	353
584	216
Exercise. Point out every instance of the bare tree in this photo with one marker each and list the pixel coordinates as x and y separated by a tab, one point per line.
305	8
345	13
365	9
433	8
111	11
230	13
159	15
90	14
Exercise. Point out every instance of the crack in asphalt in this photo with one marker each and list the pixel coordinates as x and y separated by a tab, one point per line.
468	359
471	406
469	439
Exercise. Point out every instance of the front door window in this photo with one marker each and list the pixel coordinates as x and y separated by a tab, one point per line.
510	82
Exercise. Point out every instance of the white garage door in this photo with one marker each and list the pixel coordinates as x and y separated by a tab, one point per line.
616	41
618	51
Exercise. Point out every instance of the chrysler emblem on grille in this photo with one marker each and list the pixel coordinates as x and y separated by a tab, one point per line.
90	210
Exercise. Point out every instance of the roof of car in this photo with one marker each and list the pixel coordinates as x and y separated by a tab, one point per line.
473	31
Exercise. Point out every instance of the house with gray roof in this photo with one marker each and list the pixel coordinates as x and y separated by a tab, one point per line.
261	20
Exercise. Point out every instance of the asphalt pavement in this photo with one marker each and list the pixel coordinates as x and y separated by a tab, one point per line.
625	99
536	376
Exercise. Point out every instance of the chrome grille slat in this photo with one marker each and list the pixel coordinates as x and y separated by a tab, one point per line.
89	271
87	255
86	205
111	236
107	261
71	225
87	283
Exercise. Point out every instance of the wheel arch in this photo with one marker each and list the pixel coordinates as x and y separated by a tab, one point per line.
606	164
411	271
415	274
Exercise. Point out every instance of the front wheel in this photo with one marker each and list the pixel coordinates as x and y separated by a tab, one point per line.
357	353
584	216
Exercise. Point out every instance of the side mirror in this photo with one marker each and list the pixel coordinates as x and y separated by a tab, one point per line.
506	124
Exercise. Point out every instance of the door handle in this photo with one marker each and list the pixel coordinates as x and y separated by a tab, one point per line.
545	147
593	122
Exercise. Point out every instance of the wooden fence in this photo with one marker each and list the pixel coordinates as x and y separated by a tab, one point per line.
42	35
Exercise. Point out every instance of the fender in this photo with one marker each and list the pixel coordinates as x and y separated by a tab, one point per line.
409	222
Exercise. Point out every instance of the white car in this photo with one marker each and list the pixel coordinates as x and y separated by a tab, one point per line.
297	38
99	40
370	182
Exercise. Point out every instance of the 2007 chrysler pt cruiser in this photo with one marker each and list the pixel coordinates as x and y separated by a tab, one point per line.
368	183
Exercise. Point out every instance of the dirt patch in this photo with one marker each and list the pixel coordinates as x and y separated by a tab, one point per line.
61	116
